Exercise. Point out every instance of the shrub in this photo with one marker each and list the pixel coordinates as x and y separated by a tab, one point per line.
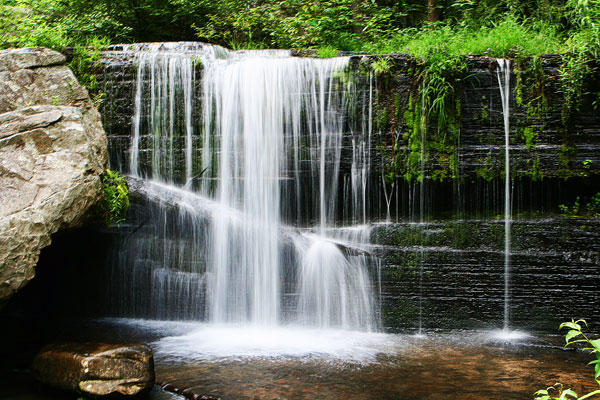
115	198
574	335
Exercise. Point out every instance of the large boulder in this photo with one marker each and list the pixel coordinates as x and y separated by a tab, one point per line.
52	154
96	369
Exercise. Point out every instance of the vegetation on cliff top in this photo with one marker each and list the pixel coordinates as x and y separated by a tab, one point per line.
438	33
497	28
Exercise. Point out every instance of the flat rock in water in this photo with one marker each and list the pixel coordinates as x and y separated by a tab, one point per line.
96	369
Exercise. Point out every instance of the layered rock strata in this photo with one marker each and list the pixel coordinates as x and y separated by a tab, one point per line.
52	154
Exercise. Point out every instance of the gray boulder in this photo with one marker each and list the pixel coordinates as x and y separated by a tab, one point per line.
96	369
52	154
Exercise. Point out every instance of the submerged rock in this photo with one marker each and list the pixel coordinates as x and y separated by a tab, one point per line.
96	369
52	154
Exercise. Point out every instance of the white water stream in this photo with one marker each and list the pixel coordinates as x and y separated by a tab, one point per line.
503	74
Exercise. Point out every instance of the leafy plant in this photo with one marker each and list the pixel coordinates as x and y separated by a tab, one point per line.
327	52
381	66
583	48
593	206
115	198
570	211
574	335
84	61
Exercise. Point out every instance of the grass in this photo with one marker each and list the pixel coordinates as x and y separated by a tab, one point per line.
327	52
508	38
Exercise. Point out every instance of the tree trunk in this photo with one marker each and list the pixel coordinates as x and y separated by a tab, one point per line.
433	12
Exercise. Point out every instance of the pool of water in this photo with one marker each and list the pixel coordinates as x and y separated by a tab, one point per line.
233	362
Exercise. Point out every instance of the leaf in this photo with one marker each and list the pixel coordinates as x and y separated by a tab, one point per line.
579	341
596	344
571	325
571	334
595	392
568	392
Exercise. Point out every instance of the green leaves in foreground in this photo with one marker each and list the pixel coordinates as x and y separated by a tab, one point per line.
574	335
115	198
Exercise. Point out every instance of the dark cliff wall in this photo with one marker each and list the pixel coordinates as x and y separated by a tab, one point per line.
554	265
555	155
555	158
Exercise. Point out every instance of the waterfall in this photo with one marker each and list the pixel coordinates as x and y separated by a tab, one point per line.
248	221
503	74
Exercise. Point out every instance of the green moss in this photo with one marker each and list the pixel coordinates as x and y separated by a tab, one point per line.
487	170
519	85
408	163
381	119
397	106
535	173
530	137
485	113
565	159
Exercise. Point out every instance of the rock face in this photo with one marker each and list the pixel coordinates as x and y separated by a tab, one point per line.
95	369
52	153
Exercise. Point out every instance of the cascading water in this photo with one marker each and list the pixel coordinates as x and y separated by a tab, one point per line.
503	74
253	222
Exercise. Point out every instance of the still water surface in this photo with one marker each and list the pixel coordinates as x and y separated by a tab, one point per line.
230	362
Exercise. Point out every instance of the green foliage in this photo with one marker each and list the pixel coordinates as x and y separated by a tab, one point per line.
327	52
20	26
574	336
593	206
381	66
487	171
503	39
530	136
591	209
582	49
115	198
498	28
570	211
83	63
518	29
343	24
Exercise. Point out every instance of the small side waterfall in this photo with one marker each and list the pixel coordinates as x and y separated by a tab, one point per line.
503	74
250	145
166	101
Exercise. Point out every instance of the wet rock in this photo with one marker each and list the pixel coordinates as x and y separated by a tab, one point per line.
96	369
52	153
